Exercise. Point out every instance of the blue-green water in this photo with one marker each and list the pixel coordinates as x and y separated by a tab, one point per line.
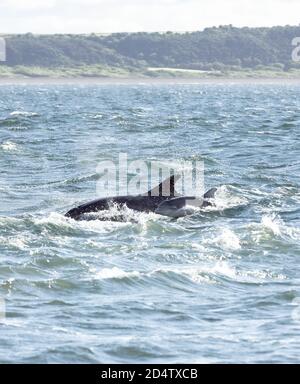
219	286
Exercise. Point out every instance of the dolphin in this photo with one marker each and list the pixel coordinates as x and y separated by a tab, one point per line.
185	205
147	202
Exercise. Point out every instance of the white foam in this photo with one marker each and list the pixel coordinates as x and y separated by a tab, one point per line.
113	273
123	214
263	275
16	242
225	199
272	223
293	233
23	113
59	220
199	274
53	218
222	268
9	146
228	240
194	274
278	227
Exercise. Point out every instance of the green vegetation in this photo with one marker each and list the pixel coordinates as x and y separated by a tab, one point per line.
214	52
65	72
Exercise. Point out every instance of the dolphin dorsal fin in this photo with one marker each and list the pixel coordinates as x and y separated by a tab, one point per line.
210	194
166	188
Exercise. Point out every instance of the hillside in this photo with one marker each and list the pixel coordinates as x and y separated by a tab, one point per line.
225	48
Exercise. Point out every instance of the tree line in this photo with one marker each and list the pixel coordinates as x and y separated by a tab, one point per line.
213	48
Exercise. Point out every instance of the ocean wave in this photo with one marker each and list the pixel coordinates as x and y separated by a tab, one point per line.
228	197
272	223
224	269
273	227
75	180
9	146
122	214
53	218
179	283
15	242
23	114
18	120
113	273
214	274
57	223
98	116
9	223
226	239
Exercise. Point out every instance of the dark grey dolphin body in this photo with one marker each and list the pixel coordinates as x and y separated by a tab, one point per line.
185	205
160	200
142	203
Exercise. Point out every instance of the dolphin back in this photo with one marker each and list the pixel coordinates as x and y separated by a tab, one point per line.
184	206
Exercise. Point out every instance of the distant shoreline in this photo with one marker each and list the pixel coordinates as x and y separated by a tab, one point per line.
142	80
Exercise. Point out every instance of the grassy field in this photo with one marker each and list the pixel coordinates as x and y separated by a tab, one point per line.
100	71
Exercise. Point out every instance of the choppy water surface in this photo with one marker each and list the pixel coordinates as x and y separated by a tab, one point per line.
219	286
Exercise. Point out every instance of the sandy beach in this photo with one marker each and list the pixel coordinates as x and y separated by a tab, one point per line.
142	81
